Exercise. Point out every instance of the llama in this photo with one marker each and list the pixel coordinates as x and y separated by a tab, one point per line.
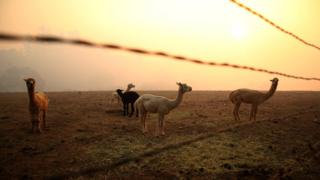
116	97
253	97
38	106
159	104
127	98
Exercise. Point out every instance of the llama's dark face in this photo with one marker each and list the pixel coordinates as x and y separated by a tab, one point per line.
119	91
184	87
30	82
274	80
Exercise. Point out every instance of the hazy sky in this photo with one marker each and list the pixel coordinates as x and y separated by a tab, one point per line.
209	30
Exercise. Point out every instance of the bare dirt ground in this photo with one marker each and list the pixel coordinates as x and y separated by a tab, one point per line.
87	137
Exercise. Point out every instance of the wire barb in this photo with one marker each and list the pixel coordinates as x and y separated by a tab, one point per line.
274	24
56	39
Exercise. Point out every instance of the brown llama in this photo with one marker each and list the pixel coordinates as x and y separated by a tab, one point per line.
253	97
38	106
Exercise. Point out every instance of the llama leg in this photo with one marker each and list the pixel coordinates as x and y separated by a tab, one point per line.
238	116
160	129
255	112
236	111
39	130
124	109
34	123
162	125
144	121
143	116
132	109
251	112
137	112
158	126
128	112
35	126
40	120
127	109
32	119
44	118
141	121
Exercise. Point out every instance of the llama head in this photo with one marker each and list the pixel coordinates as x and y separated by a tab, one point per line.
131	86
119	91
184	87
274	80
30	83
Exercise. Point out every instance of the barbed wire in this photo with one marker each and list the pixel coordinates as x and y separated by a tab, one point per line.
274	24
57	39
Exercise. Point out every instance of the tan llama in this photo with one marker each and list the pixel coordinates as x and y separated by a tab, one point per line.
38	106
149	103
253	97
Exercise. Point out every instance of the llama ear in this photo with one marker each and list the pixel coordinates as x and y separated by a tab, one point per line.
179	83
25	79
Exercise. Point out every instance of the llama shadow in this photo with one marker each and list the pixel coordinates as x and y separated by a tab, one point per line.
113	111
116	112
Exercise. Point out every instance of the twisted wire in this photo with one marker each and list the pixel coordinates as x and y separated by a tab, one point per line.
61	40
274	24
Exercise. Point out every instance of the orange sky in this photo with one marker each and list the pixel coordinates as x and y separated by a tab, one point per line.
209	30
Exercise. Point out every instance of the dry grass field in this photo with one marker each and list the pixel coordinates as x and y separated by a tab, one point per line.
88	138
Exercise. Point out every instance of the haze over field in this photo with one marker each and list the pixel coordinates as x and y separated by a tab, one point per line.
208	30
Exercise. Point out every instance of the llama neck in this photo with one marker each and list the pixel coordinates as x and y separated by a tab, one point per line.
31	94
271	91
174	103
128	89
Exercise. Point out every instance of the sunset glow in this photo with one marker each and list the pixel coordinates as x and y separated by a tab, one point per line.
239	31
208	30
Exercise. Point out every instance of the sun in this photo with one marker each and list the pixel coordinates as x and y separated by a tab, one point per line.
239	31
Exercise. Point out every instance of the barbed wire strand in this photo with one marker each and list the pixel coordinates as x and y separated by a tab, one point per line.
57	39
274	24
